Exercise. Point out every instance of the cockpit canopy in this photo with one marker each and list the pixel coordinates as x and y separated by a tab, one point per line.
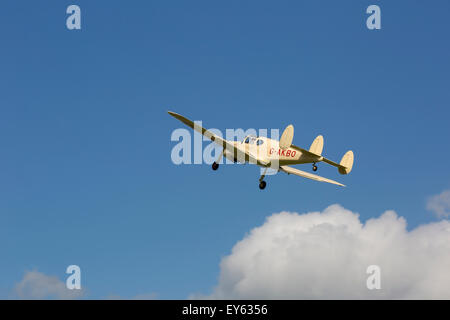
253	139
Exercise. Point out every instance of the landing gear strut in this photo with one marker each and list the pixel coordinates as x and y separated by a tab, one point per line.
314	167
262	183
215	164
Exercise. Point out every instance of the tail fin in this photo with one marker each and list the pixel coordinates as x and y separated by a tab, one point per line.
346	164
286	137
317	145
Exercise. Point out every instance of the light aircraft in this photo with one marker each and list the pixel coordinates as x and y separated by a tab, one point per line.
270	153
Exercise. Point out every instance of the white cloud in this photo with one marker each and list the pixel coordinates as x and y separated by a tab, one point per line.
325	255
37	285
440	204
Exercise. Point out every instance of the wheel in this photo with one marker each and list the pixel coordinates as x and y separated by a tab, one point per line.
215	166
314	167
262	185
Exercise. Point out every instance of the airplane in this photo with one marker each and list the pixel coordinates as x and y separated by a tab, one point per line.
270	153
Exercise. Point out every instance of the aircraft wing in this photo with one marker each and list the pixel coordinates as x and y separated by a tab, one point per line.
300	173
228	145
224	143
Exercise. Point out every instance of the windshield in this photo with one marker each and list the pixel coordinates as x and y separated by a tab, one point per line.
250	140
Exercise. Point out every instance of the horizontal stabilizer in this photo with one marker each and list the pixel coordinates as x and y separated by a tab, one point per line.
346	164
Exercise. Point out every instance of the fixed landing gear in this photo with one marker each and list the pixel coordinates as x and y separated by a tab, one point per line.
215	164
314	167
262	183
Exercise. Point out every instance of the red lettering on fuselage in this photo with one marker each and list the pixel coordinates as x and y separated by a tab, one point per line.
285	153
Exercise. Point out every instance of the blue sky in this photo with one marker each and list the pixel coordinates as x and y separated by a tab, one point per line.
86	174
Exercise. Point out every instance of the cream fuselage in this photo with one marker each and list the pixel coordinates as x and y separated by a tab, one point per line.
266	152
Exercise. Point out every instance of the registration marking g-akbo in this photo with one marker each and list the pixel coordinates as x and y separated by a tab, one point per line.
286	153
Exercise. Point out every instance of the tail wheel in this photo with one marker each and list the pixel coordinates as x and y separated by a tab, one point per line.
314	167
262	185
215	166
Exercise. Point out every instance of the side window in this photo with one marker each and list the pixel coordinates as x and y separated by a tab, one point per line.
259	142
247	140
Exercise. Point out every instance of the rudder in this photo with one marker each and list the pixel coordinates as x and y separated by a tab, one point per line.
317	145
346	164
